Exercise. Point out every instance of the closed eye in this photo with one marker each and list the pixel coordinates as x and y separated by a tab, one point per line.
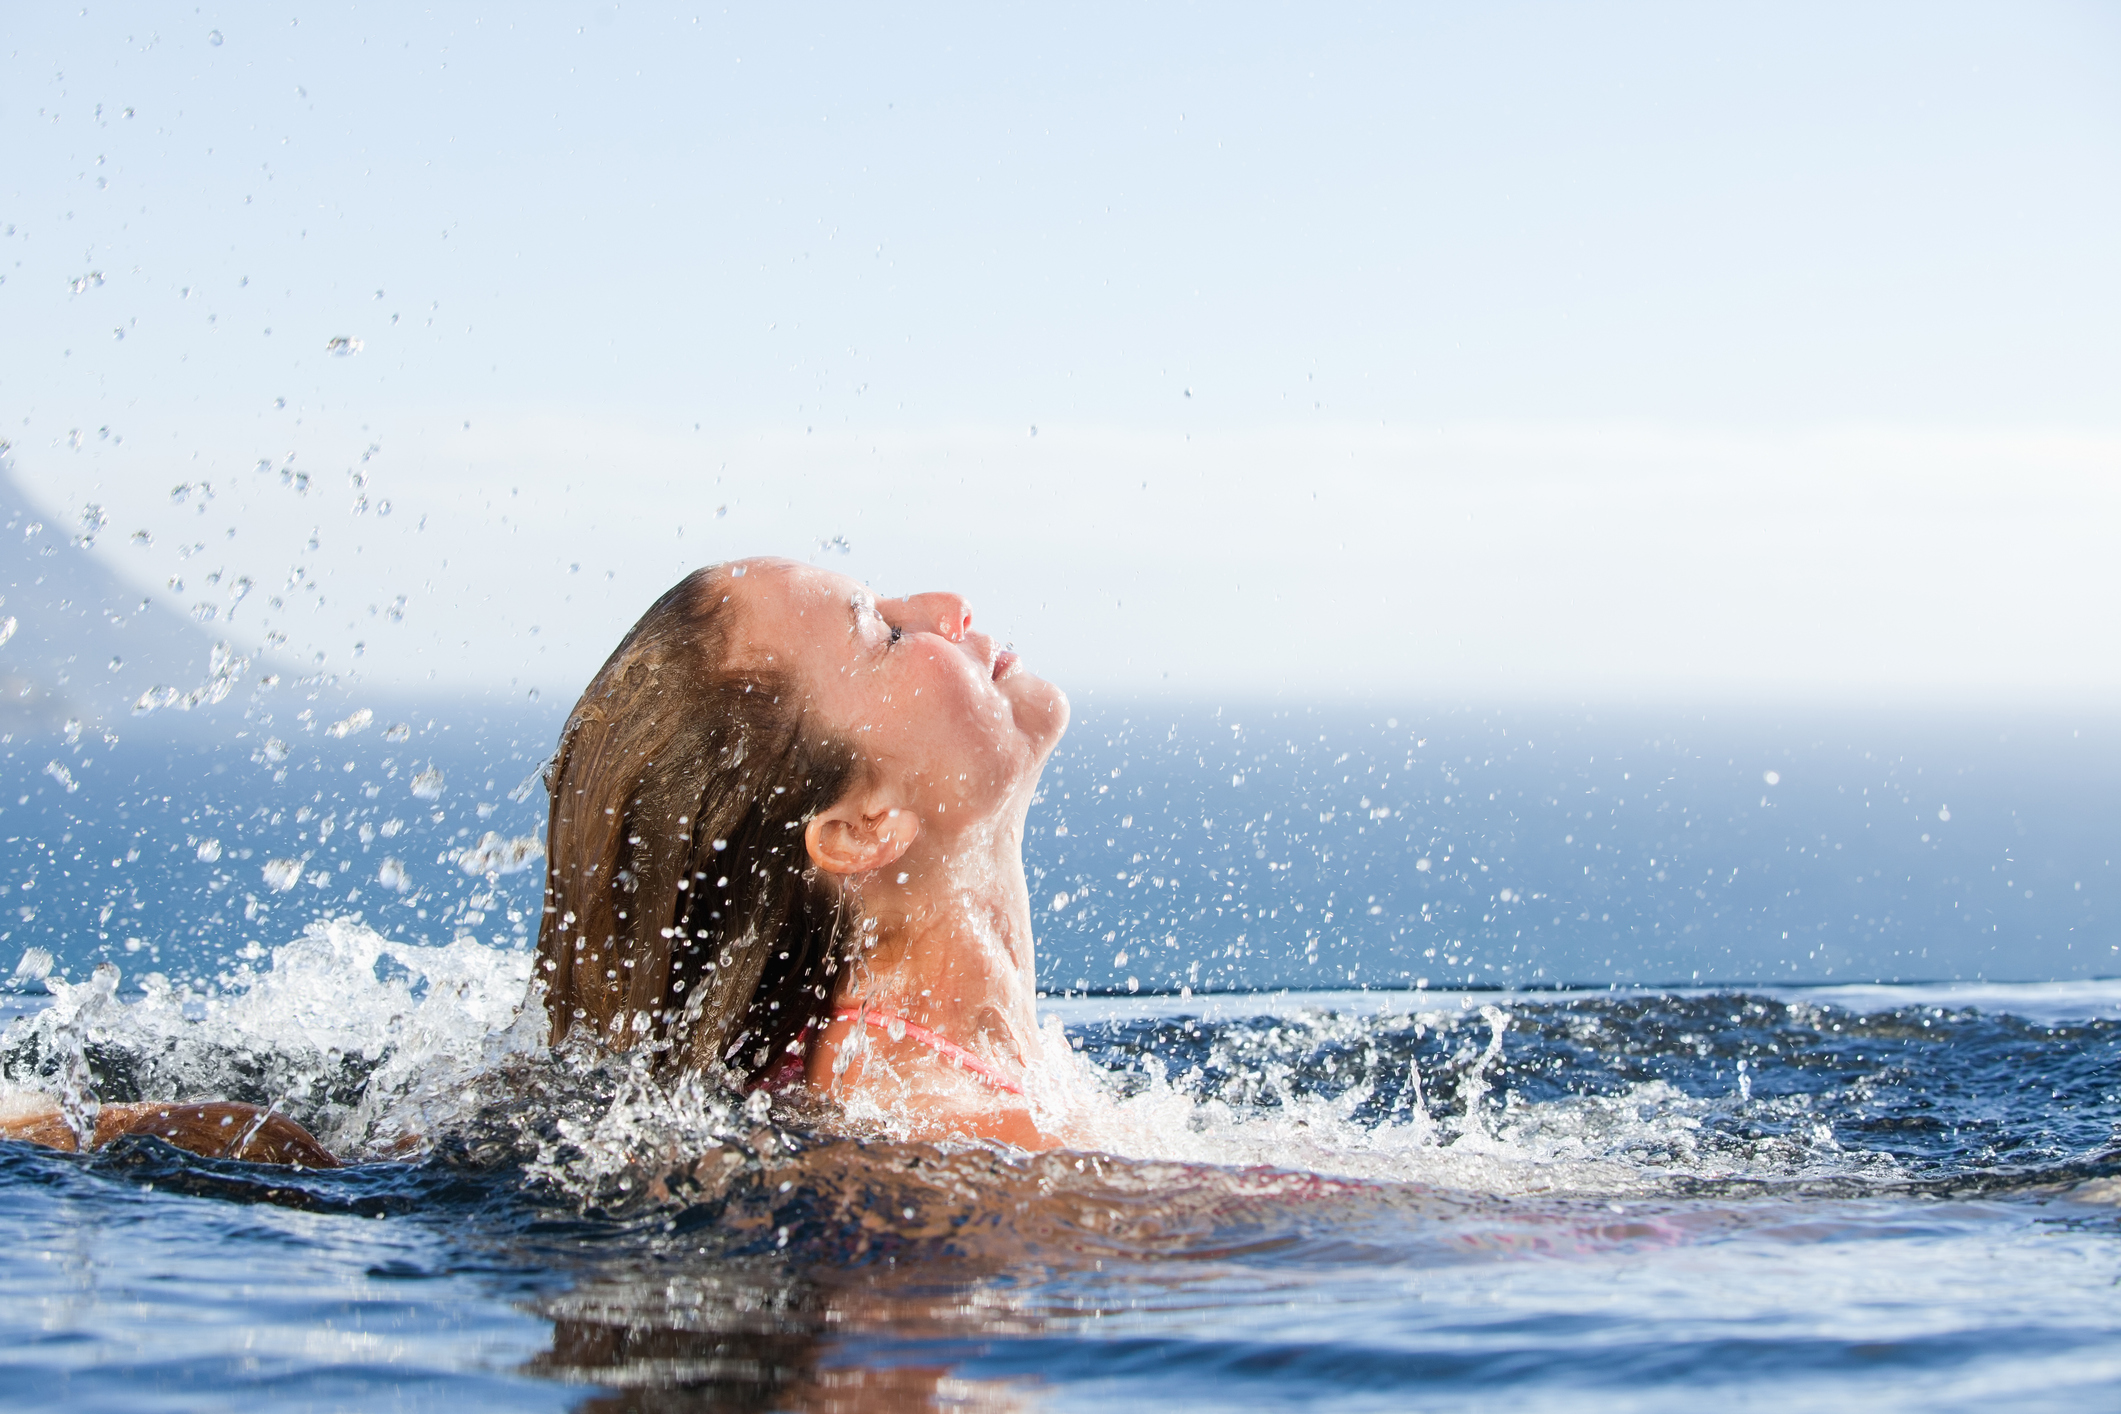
897	633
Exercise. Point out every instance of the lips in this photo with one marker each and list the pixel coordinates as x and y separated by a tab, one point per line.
1005	665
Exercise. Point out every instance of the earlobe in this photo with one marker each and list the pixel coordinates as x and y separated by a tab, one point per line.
846	841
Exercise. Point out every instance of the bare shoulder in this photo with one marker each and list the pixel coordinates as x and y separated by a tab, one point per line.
923	1092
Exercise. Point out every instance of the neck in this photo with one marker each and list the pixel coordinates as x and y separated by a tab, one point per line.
951	947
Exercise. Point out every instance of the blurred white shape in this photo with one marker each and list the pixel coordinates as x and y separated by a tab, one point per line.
427	784
282	874
357	722
34	965
497	854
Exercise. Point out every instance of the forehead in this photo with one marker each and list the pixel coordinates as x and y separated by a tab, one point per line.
781	602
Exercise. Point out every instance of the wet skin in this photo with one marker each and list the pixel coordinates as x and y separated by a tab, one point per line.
217	1129
954	734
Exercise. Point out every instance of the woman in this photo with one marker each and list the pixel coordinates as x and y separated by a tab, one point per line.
786	850
787	846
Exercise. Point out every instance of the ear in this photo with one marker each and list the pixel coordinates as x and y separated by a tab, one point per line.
856	836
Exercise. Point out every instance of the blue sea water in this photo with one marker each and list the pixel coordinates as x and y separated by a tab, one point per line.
1873	1163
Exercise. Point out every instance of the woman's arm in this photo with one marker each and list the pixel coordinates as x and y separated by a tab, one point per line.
217	1129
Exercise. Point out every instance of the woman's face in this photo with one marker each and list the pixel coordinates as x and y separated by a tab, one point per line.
944	714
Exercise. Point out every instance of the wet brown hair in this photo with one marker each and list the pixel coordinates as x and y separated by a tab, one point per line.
681	908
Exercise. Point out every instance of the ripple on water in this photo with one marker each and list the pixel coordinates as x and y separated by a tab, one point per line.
1628	1199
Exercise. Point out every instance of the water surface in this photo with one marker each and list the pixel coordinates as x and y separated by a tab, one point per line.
1892	1197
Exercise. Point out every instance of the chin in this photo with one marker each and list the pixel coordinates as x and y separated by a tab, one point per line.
1041	710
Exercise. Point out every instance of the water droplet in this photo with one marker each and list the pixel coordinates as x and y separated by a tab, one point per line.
391	875
83	284
92	522
896	1028
281	874
400	732
1773	778
427	785
357	722
344	346
213	37
497	854
209	851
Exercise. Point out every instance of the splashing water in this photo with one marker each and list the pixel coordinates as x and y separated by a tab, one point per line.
375	1043
370	1043
1445	1175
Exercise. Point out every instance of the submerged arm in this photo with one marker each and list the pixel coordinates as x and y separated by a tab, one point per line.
216	1129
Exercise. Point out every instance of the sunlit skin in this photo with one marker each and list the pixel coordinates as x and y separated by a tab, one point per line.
954	733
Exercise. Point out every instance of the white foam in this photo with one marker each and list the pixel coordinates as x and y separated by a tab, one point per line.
424	1022
381	1045
1630	1143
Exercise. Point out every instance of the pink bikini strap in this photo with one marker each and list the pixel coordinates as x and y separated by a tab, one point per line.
941	1045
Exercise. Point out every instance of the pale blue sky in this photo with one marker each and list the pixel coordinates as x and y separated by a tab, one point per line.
1554	350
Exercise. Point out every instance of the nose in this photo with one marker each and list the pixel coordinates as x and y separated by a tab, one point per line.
946	614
